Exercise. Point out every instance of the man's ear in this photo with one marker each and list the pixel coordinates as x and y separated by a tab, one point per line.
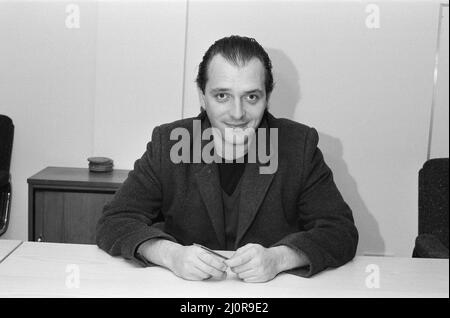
202	98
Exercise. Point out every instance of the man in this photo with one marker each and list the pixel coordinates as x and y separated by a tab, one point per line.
291	219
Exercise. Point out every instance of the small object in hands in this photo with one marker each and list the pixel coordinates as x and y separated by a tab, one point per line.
211	251
100	164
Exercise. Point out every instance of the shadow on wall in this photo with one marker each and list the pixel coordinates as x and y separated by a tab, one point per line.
285	99
370	240
286	93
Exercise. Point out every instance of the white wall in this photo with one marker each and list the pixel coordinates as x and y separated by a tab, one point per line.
47	88
439	125
139	81
94	91
100	90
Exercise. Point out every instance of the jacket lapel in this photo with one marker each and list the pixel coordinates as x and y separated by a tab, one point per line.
208	180
254	188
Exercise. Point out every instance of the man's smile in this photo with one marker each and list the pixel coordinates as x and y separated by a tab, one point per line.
242	126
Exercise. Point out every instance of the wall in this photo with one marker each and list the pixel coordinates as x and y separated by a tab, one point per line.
92	91
439	131
47	88
139	78
100	89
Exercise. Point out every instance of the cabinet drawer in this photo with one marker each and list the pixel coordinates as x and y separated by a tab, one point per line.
68	216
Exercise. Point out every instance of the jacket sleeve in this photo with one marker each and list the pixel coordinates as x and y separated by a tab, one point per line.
329	237
130	218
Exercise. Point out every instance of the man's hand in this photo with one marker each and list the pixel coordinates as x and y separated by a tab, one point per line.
194	263
254	263
188	262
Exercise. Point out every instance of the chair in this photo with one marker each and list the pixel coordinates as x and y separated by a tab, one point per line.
6	142
432	241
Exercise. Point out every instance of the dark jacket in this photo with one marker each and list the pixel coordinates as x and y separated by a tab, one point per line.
298	206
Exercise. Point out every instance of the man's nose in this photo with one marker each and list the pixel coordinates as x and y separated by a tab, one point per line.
237	112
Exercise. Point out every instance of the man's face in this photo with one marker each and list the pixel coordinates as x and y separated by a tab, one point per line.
235	97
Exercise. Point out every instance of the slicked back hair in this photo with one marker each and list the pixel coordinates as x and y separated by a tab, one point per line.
237	50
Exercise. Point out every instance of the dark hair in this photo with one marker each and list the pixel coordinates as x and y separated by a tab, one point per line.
237	50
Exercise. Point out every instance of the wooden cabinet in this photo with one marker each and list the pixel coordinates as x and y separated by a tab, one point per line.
64	204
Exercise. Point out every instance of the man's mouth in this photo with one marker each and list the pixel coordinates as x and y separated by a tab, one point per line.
236	126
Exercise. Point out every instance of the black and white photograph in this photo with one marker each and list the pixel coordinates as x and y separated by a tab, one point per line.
222	155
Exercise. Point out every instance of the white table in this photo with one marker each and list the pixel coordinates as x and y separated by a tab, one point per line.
50	270
6	247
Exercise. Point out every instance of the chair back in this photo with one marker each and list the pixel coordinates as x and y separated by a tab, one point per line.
433	199
6	142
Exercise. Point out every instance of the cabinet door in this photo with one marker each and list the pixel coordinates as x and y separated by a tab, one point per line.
68	217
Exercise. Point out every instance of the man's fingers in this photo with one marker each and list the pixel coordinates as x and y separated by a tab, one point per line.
239	259
213	261
247	274
210	270
244	248
242	268
199	273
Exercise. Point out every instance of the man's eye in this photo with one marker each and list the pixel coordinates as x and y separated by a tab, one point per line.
253	98
221	96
